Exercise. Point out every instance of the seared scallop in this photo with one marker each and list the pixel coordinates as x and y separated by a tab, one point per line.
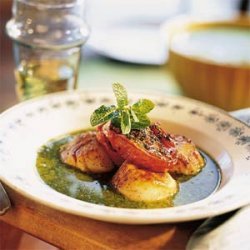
190	160
139	184
103	140
86	154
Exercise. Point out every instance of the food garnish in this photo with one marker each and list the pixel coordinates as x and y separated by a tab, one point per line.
123	115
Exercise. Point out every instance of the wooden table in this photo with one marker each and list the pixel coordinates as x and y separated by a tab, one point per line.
74	232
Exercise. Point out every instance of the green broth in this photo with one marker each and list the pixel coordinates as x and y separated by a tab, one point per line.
97	189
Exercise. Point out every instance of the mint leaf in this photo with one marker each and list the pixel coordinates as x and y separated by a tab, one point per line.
143	106
134	116
102	114
125	122
123	116
120	94
143	122
116	121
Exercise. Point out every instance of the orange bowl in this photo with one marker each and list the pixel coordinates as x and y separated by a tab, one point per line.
223	84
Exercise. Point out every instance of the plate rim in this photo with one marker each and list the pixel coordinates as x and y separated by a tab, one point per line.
135	91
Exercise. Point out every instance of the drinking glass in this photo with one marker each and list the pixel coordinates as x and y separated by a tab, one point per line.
47	39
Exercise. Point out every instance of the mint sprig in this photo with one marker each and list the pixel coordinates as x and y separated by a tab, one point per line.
102	114
120	94
143	106
125	121
123	116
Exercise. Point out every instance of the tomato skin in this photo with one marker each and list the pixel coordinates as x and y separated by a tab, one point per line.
189	159
102	139
163	136
130	151
153	149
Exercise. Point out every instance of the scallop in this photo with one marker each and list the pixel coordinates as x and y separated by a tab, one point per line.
190	160
142	185
86	154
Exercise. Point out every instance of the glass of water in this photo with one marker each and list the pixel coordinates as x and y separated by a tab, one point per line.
47	40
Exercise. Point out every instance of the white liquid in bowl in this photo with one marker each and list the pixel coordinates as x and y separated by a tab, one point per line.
224	45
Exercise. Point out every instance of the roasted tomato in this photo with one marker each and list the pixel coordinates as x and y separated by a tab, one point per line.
142	148
189	159
163	136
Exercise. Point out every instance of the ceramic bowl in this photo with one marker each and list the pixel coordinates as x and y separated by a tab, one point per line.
27	126
209	67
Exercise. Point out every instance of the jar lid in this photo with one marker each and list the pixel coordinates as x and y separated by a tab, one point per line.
48	24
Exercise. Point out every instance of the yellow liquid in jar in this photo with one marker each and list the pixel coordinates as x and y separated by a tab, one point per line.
36	78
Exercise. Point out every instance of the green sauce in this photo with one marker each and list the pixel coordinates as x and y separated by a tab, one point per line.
97	189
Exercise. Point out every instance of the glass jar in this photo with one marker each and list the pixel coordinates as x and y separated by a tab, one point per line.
47	38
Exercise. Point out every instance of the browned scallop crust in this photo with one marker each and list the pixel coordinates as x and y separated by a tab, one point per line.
143	185
102	139
190	160
86	154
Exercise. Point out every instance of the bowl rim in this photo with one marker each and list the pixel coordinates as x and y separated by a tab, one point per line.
187	23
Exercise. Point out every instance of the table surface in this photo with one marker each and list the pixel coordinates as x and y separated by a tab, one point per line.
70	231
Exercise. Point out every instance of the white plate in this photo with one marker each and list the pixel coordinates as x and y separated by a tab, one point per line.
27	126
139	44
129	31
